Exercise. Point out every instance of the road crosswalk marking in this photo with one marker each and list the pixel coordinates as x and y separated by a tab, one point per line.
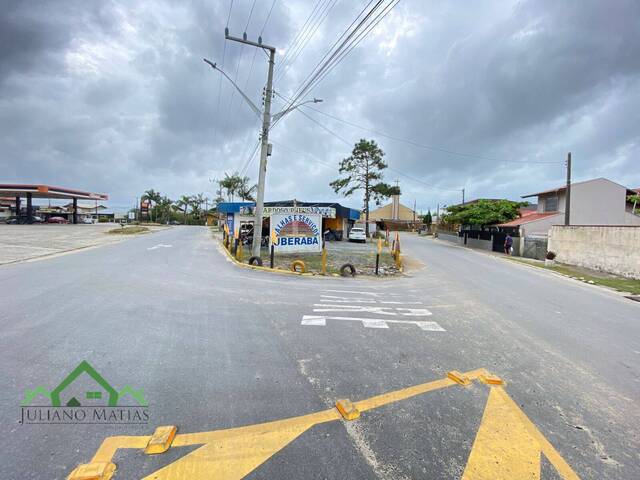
408	312
321	321
335	299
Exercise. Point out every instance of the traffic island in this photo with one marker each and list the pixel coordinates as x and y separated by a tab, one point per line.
362	257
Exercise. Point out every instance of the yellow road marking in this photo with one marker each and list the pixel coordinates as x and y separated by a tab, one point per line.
509	446
507	441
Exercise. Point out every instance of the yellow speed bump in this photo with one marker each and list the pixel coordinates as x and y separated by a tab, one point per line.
161	440
347	409
93	471
459	378
491	379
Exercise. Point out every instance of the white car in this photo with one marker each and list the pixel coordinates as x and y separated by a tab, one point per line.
87	220
356	234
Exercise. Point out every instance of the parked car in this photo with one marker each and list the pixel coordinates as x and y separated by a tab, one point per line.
36	219
57	220
173	222
357	235
12	220
88	220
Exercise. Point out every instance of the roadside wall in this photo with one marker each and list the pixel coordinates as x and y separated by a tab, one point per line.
479	244
613	249
450	237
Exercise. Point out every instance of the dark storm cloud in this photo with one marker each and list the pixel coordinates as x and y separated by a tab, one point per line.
114	96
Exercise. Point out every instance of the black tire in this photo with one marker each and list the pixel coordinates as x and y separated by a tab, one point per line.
255	261
345	267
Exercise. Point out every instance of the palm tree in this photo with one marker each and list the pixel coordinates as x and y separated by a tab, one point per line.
183	204
164	206
230	183
245	192
153	197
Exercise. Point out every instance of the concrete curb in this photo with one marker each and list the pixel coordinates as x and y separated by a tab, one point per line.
537	268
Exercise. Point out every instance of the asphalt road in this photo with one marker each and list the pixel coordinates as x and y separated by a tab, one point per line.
217	347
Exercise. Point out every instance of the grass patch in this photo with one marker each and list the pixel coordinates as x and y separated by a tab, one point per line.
128	230
620	284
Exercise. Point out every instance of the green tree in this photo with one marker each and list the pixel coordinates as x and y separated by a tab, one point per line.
163	209
183	204
483	212
231	183
363	171
428	219
245	191
635	199
153	197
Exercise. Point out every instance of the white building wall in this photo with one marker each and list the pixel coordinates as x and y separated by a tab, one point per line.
542	226
598	202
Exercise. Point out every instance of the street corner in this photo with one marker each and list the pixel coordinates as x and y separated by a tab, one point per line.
441	428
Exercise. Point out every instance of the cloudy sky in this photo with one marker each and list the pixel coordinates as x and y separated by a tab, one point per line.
113	96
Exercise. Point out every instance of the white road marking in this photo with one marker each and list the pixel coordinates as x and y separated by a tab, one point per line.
374	294
160	245
318	320
333	298
410	312
375	324
313	320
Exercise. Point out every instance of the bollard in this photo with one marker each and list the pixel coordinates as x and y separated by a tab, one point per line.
324	260
378	255
274	240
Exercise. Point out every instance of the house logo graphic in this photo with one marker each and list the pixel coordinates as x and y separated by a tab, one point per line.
84	396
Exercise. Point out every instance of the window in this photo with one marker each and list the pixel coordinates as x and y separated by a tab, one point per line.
551	204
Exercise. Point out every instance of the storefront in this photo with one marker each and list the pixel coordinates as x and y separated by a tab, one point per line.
337	220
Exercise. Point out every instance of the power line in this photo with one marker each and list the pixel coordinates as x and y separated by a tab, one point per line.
354	43
297	37
255	52
427	147
224	52
235	78
338	46
295	52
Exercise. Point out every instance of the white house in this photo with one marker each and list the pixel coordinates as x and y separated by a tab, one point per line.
593	202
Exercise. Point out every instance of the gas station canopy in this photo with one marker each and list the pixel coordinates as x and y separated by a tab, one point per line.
47	191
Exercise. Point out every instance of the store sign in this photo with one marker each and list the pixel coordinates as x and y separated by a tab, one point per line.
326	212
296	232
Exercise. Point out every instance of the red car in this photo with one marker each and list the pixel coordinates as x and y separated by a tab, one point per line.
57	220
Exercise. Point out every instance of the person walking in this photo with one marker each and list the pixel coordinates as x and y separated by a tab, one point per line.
508	242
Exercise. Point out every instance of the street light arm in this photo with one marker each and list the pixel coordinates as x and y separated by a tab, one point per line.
255	109
281	114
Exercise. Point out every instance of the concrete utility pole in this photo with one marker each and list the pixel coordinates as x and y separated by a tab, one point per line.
463	196
264	147
567	205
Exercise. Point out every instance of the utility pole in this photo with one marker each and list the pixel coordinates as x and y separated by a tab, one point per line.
264	148
567	204
463	196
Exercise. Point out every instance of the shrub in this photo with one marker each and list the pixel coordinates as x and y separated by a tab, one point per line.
550	255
